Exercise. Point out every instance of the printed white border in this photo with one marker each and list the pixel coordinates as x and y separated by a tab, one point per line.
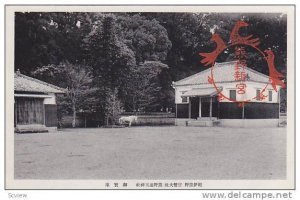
11	183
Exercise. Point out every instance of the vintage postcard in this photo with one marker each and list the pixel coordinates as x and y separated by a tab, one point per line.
150	97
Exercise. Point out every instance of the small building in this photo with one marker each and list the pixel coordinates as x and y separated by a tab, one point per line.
198	101
35	108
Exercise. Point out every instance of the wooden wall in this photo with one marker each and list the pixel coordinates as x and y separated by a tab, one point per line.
261	110
229	110
252	110
29	111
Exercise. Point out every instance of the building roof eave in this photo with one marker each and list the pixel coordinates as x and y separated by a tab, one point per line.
28	84
219	82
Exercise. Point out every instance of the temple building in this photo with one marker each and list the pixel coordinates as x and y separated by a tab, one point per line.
204	102
35	104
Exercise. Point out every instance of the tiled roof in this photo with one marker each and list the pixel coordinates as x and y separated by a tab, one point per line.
222	72
24	83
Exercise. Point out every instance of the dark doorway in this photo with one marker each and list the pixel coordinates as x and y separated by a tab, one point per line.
205	102
205	107
194	107
215	106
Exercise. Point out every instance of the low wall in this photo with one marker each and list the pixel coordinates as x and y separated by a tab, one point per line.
152	118
153	121
249	123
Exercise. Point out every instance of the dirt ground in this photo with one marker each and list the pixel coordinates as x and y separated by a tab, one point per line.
152	153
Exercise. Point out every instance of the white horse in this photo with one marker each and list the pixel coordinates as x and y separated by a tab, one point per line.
128	119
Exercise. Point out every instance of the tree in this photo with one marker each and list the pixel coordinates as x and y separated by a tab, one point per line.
187	32
107	54
148	39
49	38
143	88
77	79
109	57
113	107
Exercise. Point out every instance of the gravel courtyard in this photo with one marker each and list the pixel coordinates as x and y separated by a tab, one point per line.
152	153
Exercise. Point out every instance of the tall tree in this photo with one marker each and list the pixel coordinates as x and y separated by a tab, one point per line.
108	55
143	89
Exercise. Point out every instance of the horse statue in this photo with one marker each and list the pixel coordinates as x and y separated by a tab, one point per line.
127	120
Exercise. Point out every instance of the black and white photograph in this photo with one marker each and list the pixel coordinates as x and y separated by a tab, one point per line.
150	97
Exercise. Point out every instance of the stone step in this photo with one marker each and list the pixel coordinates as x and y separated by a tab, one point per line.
202	123
31	128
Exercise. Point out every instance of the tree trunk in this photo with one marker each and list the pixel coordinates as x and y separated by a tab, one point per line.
74	116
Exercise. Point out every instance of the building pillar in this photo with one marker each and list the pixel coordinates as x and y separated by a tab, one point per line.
218	109
200	107
278	99
15	113
190	108
44	113
279	88
210	108
243	111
